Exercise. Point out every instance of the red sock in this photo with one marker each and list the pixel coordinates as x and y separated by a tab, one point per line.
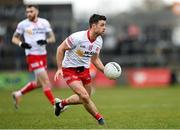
64	102
98	116
29	87
49	95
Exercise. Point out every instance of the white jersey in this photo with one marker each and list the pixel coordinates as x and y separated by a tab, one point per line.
32	32
81	49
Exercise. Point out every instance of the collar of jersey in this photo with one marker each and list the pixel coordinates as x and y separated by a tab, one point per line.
88	35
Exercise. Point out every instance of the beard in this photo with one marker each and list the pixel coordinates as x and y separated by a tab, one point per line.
32	18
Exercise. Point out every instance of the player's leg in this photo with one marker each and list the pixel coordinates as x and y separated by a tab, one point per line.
86	79
26	89
43	78
80	90
75	99
97	116
72	100
84	97
67	74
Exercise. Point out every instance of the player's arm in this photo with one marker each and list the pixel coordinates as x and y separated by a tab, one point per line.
97	62
51	37
60	53
59	57
16	39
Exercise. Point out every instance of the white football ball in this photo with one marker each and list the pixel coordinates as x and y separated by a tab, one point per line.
112	70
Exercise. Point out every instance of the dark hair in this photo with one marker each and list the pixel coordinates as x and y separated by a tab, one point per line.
35	6
95	19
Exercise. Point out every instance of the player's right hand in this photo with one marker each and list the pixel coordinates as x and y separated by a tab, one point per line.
25	45
58	73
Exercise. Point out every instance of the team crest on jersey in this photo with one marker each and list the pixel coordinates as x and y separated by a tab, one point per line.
80	53
29	31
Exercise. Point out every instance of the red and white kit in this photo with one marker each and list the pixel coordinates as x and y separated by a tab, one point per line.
32	32
82	48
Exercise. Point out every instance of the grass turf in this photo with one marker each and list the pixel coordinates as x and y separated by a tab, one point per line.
122	108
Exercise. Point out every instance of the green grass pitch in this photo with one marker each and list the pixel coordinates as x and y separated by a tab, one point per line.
122	108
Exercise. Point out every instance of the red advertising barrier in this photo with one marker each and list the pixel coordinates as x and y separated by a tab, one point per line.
149	77
102	81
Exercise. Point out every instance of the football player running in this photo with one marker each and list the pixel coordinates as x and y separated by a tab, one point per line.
37	33
74	56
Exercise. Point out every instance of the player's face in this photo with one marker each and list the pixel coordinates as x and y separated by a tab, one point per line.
31	13
100	27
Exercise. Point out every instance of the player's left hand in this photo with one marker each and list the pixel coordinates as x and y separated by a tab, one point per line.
58	73
41	42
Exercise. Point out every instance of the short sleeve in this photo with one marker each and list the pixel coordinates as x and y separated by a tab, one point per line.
72	40
19	28
99	46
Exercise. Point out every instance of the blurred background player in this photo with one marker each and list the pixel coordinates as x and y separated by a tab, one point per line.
37	34
74	56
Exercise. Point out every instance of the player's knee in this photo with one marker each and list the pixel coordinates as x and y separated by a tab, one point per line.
85	97
46	82
38	84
